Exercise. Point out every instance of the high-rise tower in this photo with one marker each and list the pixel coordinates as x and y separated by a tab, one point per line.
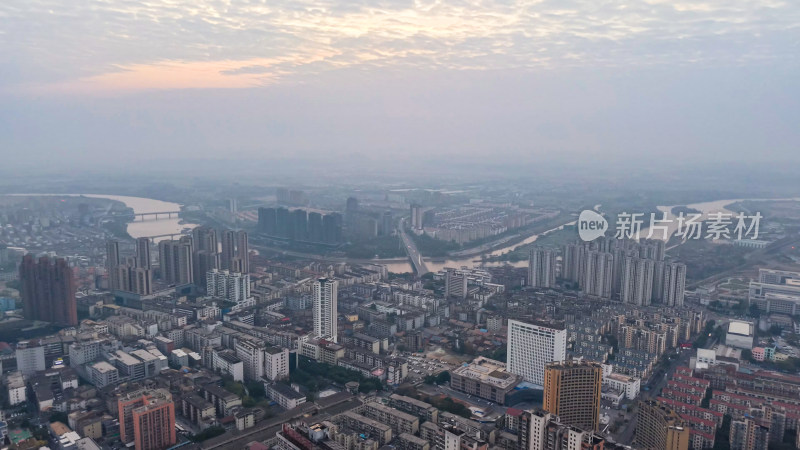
48	291
325	308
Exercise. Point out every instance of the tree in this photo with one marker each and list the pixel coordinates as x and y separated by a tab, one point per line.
754	311
256	389
234	386
208	433
449	405
747	355
499	354
775	330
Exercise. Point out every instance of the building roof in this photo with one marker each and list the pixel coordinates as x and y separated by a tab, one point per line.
367	421
273	350
103	367
394	412
229	357
125	358
197	401
412	401
740	328
285	390
513	412
412	439
220	392
59	428
488	371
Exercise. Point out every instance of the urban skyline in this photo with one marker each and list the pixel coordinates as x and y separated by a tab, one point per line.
427	225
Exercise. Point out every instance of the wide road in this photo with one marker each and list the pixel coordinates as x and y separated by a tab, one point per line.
411	249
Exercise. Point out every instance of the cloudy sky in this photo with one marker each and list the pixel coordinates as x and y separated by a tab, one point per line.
499	80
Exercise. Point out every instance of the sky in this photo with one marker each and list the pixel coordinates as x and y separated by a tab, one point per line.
650	82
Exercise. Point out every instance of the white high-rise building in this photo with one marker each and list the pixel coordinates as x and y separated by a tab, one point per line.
572	260
537	437
252	354
234	287
542	268
325	309
17	389
674	284
276	363
531	346
455	283
637	281
30	358
596	279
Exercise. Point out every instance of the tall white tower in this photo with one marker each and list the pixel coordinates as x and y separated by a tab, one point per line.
532	346
325	309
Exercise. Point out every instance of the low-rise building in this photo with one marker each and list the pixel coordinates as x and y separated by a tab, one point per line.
283	395
197	409
376	430
400	421
740	334
103	374
227	362
224	401
421	409
407	441
15	383
628	385
276	363
485	378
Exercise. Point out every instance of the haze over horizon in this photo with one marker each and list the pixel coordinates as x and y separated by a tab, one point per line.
650	82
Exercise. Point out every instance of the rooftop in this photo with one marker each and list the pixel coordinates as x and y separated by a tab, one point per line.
272	350
488	371
59	428
411	401
285	390
740	328
229	357
103	367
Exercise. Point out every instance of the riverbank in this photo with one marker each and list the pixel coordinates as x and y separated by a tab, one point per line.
531	232
139	205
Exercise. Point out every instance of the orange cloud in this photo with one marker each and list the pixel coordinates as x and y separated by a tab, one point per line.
175	74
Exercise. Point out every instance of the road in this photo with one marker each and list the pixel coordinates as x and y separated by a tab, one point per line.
411	249
656	383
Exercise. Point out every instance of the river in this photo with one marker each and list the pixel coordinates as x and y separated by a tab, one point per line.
437	264
140	228
149	226
706	208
